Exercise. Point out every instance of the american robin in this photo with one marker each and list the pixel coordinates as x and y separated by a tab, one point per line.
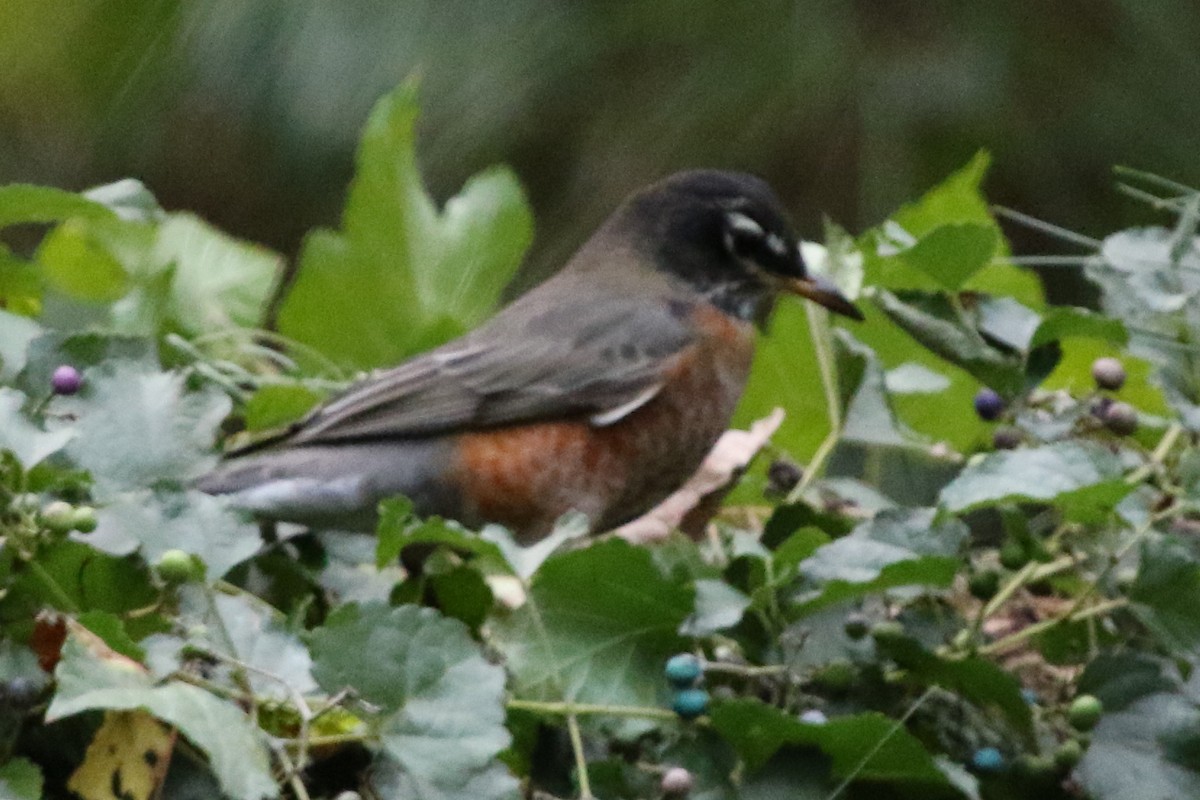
600	390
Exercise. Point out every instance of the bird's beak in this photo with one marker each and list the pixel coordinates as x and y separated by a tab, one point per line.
822	292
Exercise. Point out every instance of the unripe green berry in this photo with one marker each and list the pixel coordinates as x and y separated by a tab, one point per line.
856	625
84	519
984	585
176	566
1068	754
1013	555
1085	712
888	631
836	676
59	516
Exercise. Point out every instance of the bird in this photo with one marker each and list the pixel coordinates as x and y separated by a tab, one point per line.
599	391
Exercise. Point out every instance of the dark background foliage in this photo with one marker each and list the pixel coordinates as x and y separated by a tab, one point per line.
247	113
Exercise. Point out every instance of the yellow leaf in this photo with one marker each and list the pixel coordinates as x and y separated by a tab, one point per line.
126	760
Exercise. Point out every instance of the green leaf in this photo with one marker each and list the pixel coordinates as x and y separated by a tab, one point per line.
524	560
398	528
868	746
20	285
216	281
900	547
1118	679
154	522
596	627
1081	478
217	727
275	406
958	198
20	779
137	427
1166	593
442	702
1062	322
81	350
913	378
938	326
1130	754
952	254
22	438
22	203
975	679
83	578
16	334
401	276
718	606
77	260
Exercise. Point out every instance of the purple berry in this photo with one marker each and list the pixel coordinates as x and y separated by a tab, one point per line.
676	782
988	404
1108	373
1121	419
1006	438
66	380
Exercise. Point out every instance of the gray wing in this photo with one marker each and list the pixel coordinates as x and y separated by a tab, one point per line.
601	360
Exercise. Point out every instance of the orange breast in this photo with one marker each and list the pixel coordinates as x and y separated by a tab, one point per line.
527	476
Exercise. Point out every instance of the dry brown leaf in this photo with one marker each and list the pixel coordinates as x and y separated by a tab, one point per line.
694	504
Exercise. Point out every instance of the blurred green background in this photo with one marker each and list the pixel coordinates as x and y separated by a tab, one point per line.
247	113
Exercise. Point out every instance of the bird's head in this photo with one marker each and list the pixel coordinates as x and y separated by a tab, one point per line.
727	234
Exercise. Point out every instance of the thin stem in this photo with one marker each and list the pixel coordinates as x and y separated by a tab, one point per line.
56	591
818	326
585	783
1045	261
1150	177
1161	451
1030	631
586	709
1152	200
1048	228
900	723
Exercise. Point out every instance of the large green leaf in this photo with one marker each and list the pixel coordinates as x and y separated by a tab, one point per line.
869	746
155	522
596	627
1081	478
136	427
401	276
218	727
442	703
29	443
1166	593
24	203
901	547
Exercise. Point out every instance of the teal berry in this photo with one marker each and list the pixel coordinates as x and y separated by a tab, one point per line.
683	670
988	405
987	759
690	703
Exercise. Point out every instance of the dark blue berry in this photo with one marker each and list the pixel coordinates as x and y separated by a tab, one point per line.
690	703
683	670
987	759
988	404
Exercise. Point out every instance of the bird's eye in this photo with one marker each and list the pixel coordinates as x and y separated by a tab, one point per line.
745	238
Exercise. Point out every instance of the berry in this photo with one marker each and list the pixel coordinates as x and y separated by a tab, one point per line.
690	703
1006	438
676	782
683	670
59	516
987	759
176	566
1068	754
984	585
83	519
1085	712
1013	555
1030	697
814	717
1108	373
1036	767
856	625
889	631
988	404
1121	419
783	475
66	380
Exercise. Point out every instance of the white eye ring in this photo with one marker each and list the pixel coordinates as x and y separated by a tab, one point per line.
738	223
